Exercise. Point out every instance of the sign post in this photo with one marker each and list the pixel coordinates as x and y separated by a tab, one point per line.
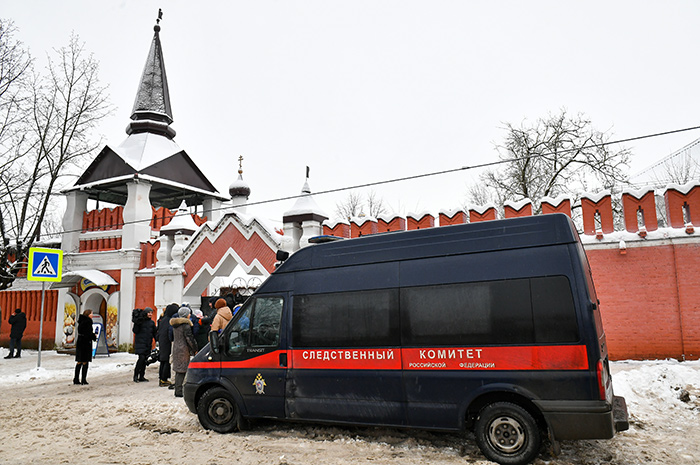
44	265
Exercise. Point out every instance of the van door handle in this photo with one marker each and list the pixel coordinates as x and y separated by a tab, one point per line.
283	359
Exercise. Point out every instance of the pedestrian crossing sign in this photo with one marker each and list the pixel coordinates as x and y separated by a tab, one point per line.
45	264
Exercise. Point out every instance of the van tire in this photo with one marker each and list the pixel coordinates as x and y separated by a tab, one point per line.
217	411
507	434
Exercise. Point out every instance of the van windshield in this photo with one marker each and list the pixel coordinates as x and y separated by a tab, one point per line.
258	324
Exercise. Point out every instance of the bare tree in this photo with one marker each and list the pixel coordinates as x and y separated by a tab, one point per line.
375	204
354	205
350	206
15	66
558	154
679	169
64	106
15	63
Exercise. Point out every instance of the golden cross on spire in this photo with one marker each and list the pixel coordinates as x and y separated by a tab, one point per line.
240	164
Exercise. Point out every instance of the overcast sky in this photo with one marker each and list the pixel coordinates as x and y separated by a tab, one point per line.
364	91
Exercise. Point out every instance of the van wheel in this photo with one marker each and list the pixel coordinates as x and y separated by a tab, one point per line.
218	412
507	434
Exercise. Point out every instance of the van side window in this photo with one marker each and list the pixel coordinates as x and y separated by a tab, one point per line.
258	324
553	310
347	319
517	311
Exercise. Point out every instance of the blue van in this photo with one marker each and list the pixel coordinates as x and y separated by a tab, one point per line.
492	326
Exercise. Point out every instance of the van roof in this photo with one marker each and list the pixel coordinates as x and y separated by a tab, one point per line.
513	233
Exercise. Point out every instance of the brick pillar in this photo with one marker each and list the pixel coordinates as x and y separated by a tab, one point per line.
363	226
636	204
600	204
682	204
387	223
338	228
482	213
452	217
561	204
420	221
517	209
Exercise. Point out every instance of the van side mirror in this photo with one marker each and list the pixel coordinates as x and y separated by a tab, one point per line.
282	255
214	342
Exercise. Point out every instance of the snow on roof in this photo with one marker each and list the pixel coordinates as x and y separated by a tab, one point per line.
305	204
556	201
417	215
595	197
360	220
145	149
517	205
182	221
631	237
638	193
451	211
481	209
685	188
335	222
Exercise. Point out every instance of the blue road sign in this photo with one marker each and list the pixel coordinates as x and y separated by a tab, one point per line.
45	264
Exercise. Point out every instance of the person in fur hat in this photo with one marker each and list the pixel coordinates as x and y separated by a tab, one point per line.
164	344
184	346
223	316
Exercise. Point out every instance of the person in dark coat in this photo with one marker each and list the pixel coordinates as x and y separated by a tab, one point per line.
184	346
201	327
83	347
164	344
145	333
18	321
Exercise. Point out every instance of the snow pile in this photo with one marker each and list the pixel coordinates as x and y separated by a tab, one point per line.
656	388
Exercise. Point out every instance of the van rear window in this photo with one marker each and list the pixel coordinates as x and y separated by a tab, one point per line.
347	319
518	311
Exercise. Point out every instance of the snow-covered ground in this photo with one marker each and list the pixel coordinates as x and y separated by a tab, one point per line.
45	419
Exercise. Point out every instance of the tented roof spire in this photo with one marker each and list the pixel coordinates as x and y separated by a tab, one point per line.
152	111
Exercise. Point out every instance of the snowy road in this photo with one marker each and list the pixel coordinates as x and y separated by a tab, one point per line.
47	420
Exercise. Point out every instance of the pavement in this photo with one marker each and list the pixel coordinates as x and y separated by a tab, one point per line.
54	365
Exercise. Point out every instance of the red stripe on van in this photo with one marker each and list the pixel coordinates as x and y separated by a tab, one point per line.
347	359
560	357
269	360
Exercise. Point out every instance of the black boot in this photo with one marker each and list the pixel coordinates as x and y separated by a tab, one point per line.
85	369
8	355
77	372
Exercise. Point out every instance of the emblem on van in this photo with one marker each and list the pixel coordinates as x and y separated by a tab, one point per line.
259	384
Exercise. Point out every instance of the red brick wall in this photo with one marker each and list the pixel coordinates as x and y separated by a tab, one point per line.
639	294
30	303
145	292
248	249
688	269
